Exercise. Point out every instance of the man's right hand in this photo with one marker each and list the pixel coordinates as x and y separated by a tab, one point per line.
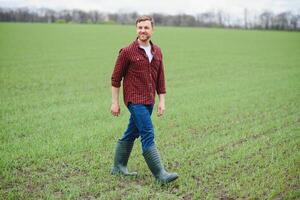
115	110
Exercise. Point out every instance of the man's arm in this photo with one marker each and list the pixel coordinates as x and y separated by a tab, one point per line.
115	106
161	90
118	74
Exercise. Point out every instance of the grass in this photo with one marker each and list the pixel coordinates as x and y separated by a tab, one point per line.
231	129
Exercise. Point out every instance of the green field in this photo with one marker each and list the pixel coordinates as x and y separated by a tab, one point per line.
231	129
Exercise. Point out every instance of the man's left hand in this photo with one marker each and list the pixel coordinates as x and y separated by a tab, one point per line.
161	109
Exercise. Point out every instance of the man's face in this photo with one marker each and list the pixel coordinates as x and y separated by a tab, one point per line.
144	30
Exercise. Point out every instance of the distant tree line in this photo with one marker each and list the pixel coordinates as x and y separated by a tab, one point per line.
265	20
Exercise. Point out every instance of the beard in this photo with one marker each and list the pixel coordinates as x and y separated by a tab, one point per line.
144	37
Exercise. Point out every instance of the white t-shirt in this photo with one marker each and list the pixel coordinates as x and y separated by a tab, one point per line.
148	51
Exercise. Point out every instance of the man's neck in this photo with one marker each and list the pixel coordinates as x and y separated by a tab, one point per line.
144	43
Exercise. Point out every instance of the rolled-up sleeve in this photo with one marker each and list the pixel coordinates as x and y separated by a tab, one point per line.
161	84
120	69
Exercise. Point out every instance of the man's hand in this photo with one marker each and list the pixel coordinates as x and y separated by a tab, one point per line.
115	109
161	105
161	109
115	106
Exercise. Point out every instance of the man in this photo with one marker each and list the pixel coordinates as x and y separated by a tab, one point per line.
141	68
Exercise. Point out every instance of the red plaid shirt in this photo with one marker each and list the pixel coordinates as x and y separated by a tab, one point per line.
141	78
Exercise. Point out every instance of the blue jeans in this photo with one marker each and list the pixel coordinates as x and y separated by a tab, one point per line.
140	124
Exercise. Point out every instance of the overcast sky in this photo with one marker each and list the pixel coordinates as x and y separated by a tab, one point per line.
235	7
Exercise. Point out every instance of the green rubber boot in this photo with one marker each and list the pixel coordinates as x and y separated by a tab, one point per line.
152	158
122	154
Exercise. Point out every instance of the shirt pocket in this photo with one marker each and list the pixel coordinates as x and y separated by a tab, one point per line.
139	63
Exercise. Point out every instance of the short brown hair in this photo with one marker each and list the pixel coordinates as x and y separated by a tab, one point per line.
144	18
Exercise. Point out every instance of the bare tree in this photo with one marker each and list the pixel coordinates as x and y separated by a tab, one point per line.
282	21
295	22
246	18
158	18
207	19
50	15
221	18
266	19
66	15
